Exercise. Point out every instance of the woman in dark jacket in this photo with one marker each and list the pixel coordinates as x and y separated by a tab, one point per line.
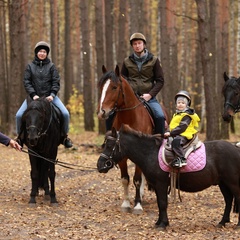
41	79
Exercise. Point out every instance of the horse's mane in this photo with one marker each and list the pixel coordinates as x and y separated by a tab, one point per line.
232	82
156	137
108	75
41	105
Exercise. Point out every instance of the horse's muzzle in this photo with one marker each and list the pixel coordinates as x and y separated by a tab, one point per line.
104	166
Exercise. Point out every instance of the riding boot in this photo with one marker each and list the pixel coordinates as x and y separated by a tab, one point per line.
66	142
179	162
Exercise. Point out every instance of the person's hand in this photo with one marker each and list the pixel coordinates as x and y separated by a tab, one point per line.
35	97
15	145
49	98
167	134
146	96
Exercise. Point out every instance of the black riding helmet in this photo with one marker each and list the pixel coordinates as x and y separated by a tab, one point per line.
185	94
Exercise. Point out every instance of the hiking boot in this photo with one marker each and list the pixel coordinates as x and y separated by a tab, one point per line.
179	162
67	142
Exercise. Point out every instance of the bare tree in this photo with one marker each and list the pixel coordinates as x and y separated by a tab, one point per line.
209	78
16	63
68	69
87	79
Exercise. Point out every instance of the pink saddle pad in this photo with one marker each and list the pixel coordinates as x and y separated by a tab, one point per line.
196	161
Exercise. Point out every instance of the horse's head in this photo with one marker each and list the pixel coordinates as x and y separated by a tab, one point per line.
231	93
111	154
110	89
35	121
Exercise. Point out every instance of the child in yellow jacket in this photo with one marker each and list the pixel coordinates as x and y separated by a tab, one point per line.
183	127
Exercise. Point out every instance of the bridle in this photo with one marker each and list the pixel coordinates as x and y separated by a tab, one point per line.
235	108
109	163
116	109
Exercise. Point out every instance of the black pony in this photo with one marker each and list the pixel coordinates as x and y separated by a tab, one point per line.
40	132
231	93
222	168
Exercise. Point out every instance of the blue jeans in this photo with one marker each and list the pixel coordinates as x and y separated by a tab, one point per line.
159	118
57	102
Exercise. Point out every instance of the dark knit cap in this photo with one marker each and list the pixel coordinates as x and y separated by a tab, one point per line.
42	45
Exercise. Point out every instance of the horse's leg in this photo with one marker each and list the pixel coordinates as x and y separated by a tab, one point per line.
34	179
52	175
125	183
45	181
228	198
139	185
161	190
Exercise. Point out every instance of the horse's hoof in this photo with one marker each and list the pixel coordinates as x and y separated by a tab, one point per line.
47	197
126	209
137	211
54	204
32	204
220	225
160	227
237	228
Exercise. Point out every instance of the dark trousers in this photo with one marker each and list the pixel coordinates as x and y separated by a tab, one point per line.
177	145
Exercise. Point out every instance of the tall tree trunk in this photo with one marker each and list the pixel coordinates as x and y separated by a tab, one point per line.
54	31
3	70
209	78
87	80
99	9
68	73
16	56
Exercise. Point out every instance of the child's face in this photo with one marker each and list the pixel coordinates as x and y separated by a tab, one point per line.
181	105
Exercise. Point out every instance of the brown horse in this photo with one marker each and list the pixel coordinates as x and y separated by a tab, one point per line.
117	96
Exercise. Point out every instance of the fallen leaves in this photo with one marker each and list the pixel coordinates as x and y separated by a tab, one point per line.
89	204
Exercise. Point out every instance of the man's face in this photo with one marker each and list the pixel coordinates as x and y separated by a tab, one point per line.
138	46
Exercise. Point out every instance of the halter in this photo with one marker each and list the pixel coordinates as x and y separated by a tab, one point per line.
110	162
235	108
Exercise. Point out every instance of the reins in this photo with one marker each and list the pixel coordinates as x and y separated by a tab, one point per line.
60	163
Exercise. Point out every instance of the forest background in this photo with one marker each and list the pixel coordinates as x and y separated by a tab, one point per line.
196	41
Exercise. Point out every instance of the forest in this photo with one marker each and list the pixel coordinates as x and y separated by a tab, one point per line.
196	42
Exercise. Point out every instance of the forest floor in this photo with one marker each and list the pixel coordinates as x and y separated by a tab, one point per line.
89	203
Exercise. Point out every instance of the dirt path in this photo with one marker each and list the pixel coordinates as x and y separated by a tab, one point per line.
89	204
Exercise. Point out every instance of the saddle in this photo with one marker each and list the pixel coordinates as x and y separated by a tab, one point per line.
191	146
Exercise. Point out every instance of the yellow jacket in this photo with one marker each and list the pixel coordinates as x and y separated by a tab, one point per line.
192	127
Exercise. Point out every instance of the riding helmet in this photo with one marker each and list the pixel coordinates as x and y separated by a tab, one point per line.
137	36
185	94
42	45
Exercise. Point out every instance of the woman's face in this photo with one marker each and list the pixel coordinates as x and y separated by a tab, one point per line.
138	46
42	54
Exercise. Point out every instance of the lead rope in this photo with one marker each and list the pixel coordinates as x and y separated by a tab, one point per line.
57	162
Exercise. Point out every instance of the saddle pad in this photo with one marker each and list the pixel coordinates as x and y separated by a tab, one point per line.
196	161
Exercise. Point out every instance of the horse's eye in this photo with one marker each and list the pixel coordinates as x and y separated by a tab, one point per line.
114	87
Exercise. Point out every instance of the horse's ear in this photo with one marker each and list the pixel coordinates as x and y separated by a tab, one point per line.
114	132
225	76
104	70
117	70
